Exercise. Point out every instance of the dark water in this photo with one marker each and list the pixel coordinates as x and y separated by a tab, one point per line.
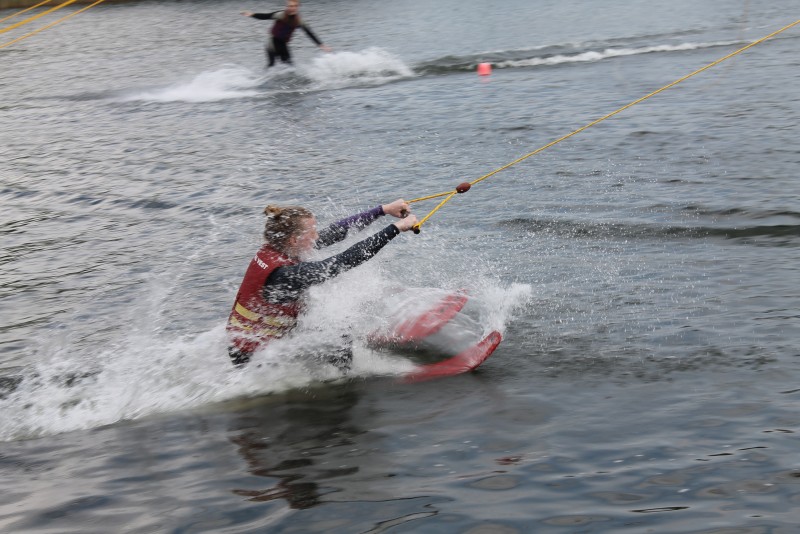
644	273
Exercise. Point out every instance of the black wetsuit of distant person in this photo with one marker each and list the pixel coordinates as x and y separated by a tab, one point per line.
281	33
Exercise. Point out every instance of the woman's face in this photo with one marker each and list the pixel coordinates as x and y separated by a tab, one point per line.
302	243
292	6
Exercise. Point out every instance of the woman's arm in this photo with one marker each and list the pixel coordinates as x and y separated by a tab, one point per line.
338	230
288	283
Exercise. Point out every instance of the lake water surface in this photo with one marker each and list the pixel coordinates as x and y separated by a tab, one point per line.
644	273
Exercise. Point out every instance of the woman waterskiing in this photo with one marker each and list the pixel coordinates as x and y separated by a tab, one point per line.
270	297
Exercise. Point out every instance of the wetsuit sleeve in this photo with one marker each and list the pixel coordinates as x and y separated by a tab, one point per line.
289	282
338	230
264	16
311	34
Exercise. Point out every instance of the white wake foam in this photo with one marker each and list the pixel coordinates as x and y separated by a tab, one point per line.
372	66
335	70
222	84
606	54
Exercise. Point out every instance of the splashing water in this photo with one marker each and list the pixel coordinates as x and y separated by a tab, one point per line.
373	66
222	84
148	372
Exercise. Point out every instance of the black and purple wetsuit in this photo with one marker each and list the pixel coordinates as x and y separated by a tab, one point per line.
281	33
288	283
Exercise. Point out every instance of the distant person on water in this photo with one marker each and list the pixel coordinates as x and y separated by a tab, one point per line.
286	21
270	297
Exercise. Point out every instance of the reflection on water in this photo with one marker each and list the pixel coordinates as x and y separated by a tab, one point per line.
290	443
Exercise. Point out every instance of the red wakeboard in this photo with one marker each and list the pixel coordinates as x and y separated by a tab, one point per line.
465	361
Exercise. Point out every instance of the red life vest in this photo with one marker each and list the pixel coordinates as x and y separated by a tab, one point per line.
284	27
253	320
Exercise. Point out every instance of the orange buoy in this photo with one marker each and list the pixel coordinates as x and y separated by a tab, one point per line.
484	69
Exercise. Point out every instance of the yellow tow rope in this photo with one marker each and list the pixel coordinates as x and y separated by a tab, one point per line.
40	4
34	32
465	186
31	19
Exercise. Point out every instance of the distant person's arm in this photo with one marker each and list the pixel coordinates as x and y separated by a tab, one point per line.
260	16
315	38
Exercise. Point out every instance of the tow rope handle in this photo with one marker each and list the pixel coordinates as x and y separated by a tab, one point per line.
463	187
